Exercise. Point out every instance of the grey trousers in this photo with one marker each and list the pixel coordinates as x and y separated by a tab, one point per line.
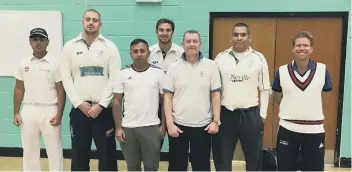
142	144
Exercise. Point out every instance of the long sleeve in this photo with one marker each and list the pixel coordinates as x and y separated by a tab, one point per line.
113	67
264	101
67	79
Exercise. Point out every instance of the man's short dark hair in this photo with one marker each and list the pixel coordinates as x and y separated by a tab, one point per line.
242	25
164	20
303	34
191	32
93	10
139	40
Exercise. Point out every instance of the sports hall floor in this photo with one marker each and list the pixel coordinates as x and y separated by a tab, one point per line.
15	164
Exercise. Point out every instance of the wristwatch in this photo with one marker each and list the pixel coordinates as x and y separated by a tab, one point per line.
217	122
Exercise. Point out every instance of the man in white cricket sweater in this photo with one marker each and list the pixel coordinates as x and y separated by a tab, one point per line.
89	65
243	70
39	86
298	87
140	84
165	52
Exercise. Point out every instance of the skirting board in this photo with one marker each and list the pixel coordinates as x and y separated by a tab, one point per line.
18	152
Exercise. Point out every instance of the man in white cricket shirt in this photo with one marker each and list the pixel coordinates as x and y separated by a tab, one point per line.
165	52
39	88
89	65
243	70
297	88
140	84
192	106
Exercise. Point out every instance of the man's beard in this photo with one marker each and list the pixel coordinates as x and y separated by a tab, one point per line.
168	41
90	32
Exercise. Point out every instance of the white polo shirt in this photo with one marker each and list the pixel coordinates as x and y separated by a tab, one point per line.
88	72
157	58
141	95
39	77
191	86
241	79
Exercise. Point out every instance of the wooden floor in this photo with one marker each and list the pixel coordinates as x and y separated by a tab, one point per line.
15	164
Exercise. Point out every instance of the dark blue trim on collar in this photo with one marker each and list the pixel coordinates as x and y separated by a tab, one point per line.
183	56
311	65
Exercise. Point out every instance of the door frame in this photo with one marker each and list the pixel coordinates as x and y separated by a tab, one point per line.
343	15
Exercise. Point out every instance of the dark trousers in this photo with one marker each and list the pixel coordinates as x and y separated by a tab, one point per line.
245	125
199	142
311	147
103	132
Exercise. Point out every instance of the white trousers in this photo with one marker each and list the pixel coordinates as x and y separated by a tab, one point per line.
36	123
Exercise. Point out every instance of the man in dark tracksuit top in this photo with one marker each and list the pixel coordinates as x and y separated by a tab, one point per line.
243	70
89	64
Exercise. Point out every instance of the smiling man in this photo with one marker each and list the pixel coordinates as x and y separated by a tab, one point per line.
89	64
243	70
192	106
164	53
298	85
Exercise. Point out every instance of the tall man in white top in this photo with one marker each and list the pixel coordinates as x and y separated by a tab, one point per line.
165	52
140	84
243	70
192	106
39	86
297	88
89	65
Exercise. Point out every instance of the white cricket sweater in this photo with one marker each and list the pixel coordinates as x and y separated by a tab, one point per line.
302	98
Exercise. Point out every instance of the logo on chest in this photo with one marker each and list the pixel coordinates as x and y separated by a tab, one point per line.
239	78
26	69
100	53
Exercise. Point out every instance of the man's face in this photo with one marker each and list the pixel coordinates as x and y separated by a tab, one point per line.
191	43
38	43
302	48
240	39
91	22
164	33
139	53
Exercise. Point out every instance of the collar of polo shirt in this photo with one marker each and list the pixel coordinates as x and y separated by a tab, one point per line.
173	48
80	37
232	52
45	58
311	65
200	57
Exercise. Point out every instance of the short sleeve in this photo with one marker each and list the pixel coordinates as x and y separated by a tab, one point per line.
57	73
169	80
328	84
19	72
264	80
215	81
119	82
161	76
276	84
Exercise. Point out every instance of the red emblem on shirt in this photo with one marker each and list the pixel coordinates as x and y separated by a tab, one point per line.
26	69
201	73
